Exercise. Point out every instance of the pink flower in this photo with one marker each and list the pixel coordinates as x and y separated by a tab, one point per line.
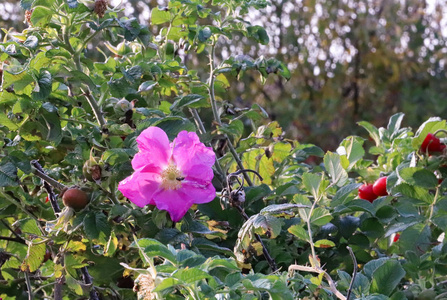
172	176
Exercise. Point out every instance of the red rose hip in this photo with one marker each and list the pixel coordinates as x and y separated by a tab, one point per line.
379	187
366	192
432	144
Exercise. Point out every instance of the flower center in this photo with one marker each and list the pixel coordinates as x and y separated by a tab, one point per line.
171	178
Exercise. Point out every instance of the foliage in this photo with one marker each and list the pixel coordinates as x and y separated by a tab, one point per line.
285	234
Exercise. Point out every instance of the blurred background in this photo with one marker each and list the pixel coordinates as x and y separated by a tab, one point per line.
349	60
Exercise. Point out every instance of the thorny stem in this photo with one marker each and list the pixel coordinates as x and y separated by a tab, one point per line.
216	112
319	270
354	272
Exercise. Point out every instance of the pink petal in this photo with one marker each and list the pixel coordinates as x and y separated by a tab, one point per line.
141	186
198	192
174	202
154	148
190	155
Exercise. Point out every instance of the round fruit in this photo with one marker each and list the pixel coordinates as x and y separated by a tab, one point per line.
432	144
396	237
379	187
75	198
366	192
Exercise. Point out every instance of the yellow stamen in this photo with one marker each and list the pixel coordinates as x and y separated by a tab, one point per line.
171	177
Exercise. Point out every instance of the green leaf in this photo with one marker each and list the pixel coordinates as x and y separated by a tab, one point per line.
299	232
117	156
31	42
394	123
352	149
191	275
386	277
5	121
34	257
166	284
312	183
97	227
8	175
259	34
41	16
419	177
43	87
267	225
204	34
336	171
153	248
373	131
50	118
191	101
160	16
320	216
342	195
430	126
324	244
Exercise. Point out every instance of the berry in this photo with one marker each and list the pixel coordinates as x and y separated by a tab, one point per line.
47	255
75	198
366	192
396	237
432	144
379	187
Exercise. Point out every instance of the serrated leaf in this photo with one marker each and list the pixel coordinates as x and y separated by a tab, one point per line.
299	232
97	227
160	16
394	123
191	275
43	87
386	277
418	176
34	257
312	183
153	248
8	175
373	131
332	164
342	195
191	100
320	216
41	16
5	121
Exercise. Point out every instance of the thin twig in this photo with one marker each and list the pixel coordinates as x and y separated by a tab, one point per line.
29	287
265	252
331	282
13	239
48	182
354	272
39	172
